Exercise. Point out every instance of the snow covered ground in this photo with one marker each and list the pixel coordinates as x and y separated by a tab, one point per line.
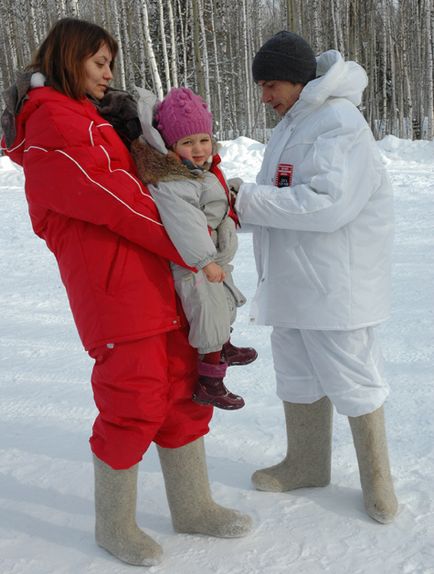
46	412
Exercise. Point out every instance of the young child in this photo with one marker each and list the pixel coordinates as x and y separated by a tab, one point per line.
197	213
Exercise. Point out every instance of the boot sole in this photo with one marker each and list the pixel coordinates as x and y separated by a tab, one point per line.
214	404
238	363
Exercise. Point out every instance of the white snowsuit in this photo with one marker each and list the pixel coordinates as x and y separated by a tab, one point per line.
188	210
323	244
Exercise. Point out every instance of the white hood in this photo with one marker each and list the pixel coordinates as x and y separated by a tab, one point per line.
335	79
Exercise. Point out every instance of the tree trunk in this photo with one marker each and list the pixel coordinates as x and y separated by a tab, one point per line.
158	87
173	50
164	45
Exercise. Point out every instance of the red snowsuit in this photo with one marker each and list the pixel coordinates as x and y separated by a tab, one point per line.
113	254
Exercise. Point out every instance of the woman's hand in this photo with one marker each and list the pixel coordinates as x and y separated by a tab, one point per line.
214	273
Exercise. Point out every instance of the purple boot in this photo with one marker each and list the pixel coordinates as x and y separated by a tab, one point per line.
210	389
238	355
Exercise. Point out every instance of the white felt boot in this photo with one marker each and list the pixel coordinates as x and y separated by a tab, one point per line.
115	512
308	459
369	437
188	493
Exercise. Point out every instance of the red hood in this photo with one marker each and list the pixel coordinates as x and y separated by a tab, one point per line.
36	98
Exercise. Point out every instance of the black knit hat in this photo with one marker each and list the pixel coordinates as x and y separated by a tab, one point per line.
285	56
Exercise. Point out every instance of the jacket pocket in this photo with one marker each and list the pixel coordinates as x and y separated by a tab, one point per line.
116	269
104	257
309	269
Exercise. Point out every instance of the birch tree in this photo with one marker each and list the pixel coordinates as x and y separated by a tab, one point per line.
218	113
114	12
200	73
384	61
246	52
429	67
158	87
165	56
203	51
173	49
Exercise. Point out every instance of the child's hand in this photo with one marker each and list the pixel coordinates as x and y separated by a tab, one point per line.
214	273
234	184
227	241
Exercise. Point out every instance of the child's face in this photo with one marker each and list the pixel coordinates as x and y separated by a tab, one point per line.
197	148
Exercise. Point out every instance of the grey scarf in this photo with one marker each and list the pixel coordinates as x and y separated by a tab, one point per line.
14	98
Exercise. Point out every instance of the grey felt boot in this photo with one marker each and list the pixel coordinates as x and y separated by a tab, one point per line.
308	458
188	493
369	437
115	512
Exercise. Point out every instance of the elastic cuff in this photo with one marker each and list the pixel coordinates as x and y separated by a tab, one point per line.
201	264
210	370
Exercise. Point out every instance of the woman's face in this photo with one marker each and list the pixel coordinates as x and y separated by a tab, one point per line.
98	73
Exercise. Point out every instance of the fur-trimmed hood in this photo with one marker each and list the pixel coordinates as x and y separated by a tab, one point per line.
154	166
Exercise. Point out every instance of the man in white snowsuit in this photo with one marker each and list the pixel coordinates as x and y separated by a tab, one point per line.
322	218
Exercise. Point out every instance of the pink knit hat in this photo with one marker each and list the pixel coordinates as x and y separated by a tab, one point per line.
182	113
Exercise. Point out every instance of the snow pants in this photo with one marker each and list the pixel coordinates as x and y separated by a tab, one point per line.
345	366
210	308
143	391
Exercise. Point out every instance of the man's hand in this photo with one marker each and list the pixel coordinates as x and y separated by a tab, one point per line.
214	273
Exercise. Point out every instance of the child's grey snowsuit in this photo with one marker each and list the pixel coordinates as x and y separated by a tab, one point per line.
195	215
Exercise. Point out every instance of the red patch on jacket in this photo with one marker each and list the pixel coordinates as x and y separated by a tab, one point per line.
284	175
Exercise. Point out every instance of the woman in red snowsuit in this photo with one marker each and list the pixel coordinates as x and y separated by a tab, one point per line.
113	254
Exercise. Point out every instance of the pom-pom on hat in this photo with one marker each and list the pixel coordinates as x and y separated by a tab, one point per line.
181	114
286	56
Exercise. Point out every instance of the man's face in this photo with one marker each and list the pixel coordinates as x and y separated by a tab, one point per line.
281	95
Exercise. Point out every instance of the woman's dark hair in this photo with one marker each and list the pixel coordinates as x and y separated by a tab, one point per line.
61	55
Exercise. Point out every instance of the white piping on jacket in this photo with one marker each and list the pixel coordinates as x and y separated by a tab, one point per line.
13	148
99	184
149	196
126	173
35	147
90	133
